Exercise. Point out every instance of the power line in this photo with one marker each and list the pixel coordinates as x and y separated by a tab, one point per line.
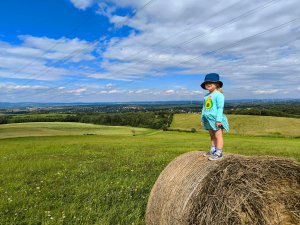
219	49
282	44
69	56
50	48
242	40
230	21
182	43
205	34
63	60
267	4
227	46
187	28
198	56
133	13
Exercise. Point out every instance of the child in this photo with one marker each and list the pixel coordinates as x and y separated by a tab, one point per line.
212	115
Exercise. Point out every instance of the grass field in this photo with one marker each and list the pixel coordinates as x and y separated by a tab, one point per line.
61	128
245	125
97	179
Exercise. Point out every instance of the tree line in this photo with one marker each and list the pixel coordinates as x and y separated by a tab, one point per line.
155	120
262	112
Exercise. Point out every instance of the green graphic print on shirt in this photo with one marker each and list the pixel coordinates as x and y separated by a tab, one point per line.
208	103
213	105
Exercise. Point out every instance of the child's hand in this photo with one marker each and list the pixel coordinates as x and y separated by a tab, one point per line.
218	124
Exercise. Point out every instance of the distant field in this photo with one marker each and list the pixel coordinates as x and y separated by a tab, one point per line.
40	115
98	179
63	128
245	125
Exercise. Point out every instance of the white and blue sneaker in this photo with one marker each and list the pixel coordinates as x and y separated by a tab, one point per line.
216	155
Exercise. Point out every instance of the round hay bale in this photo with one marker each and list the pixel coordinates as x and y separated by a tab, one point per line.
234	190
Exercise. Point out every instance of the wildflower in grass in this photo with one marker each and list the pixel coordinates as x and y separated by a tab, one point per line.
48	213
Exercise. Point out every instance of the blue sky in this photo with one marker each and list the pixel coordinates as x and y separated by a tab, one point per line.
134	50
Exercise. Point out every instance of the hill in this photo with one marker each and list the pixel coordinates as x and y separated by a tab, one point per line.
245	125
67	177
64	128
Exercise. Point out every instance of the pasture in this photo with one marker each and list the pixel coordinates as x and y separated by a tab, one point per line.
55	173
245	125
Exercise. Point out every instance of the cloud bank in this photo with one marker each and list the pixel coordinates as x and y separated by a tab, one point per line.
254	46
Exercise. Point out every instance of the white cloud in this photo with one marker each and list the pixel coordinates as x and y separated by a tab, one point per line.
76	91
140	91
170	91
43	58
57	49
114	91
82	4
198	92
166	36
265	91
12	87
109	85
171	37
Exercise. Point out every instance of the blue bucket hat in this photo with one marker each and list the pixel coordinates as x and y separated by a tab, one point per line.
212	77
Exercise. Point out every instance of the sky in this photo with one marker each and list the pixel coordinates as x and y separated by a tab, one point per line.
147	50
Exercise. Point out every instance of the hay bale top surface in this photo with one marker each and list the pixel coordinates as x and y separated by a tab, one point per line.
234	190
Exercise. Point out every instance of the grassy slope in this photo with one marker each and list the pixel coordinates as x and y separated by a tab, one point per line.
62	128
245	125
99	179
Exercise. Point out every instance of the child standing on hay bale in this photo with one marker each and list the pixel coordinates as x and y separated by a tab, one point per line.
212	116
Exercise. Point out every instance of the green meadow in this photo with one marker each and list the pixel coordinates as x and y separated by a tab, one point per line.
245	125
62	128
72	173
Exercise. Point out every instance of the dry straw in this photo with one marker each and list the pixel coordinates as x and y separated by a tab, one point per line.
234	190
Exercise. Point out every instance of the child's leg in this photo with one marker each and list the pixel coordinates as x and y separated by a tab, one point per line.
213	138
219	139
213	144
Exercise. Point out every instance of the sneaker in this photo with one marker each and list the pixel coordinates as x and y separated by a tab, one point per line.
215	157
209	153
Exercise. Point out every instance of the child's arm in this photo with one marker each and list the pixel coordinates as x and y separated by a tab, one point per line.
220	107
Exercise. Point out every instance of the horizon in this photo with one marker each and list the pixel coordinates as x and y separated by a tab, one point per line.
150	102
134	51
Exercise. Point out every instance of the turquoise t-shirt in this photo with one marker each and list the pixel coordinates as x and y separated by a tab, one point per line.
214	104
212	111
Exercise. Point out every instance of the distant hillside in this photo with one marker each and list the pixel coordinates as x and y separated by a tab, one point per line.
245	125
65	128
179	102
